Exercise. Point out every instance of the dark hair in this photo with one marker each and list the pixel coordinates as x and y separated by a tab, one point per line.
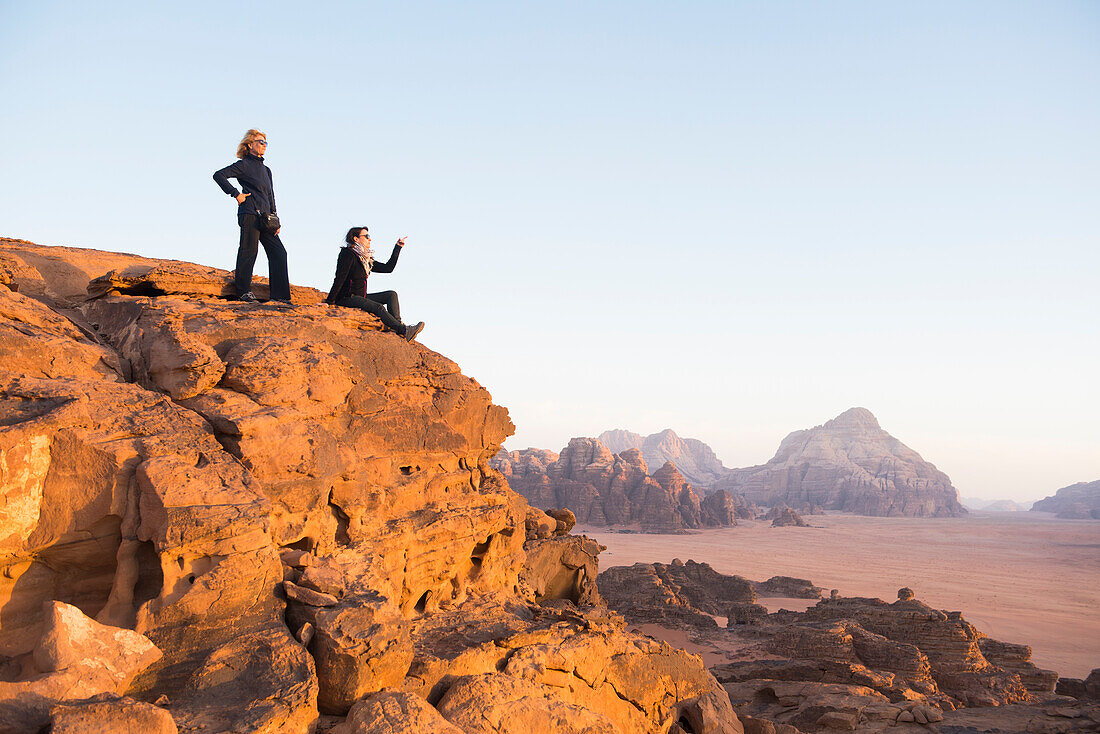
353	233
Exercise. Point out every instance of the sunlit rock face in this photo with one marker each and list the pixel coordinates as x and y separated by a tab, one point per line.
848	464
293	506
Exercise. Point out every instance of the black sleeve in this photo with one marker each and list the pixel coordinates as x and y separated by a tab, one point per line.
222	177
271	183
343	270
389	265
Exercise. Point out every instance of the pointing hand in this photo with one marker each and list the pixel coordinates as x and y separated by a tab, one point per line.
242	197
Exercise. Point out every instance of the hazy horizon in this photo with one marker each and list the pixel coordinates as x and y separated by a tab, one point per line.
735	220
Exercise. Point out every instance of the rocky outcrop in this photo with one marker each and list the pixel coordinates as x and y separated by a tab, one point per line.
790	587
678	593
602	488
852	465
851	663
692	458
1079	501
785	517
293	506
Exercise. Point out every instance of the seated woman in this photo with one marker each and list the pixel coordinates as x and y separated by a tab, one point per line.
353	266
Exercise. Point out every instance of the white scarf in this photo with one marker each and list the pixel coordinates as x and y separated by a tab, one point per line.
366	255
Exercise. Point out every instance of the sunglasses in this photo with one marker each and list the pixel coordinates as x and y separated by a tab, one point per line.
260	142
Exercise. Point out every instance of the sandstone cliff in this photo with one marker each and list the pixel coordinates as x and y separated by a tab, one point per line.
848	464
1079	501
693	458
293	514
602	488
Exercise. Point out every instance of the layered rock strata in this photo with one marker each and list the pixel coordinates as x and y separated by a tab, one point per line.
602	488
692	458
852	465
295	508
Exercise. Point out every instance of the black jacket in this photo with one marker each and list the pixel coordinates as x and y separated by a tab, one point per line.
255	178
351	276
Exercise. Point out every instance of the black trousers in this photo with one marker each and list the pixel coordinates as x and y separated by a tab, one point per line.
377	304
251	236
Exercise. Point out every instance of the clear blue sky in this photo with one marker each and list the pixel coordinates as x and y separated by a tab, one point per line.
732	219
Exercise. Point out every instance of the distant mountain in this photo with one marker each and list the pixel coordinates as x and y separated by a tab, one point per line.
693	458
602	488
849	464
988	505
1079	501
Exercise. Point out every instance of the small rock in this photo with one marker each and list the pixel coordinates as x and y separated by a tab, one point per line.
1065	712
905	716
919	715
565	518
323	579
163	700
905	593
834	593
309	596
304	633
296	558
790	701
838	720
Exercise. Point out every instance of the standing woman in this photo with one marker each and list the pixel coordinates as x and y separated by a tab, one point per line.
258	198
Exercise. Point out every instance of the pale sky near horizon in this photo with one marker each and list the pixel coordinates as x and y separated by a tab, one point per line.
731	219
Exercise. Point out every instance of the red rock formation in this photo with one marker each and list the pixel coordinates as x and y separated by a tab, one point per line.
206	472
848	464
602	488
783	517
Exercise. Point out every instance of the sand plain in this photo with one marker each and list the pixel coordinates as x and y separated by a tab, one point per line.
1019	577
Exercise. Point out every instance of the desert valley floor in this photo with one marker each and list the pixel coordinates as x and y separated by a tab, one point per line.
1017	577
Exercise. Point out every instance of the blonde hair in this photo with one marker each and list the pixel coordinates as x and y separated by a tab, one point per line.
242	147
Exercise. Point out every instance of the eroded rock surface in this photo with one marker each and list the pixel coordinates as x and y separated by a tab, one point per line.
296	508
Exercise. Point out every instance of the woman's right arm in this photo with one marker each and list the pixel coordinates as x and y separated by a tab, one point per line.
343	269
223	175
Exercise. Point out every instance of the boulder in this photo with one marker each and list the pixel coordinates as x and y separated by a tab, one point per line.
360	647
563	567
394	712
110	715
75	659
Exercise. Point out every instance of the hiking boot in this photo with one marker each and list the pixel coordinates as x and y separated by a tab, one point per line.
412	331
248	297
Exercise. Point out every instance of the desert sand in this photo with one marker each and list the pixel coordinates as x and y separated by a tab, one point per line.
1018	577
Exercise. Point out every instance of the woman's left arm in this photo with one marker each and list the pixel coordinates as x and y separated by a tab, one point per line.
389	265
